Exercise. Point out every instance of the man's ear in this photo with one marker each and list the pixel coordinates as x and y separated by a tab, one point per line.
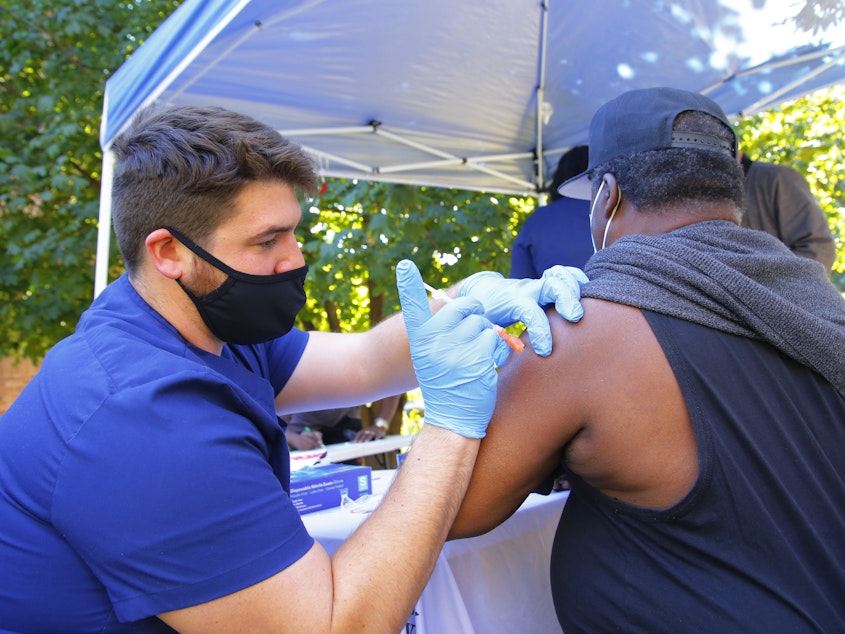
611	195
165	253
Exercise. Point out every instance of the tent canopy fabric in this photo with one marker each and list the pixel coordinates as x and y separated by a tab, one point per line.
473	94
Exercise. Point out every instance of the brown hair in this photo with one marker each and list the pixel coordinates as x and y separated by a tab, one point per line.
182	166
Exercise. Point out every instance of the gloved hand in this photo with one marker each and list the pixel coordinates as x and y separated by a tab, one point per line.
508	301
452	353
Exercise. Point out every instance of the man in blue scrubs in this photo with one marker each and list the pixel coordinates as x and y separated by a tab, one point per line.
144	472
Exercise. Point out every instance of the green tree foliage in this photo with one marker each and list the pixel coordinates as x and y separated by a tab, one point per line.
54	61
807	134
52	75
355	232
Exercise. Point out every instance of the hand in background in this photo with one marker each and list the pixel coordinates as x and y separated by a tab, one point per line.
304	440
369	433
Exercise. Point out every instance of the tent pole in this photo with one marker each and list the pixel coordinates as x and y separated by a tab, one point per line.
101	268
542	108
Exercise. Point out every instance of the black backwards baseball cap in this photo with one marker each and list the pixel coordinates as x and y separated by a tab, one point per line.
641	120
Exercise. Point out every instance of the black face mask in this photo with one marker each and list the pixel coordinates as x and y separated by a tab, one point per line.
248	308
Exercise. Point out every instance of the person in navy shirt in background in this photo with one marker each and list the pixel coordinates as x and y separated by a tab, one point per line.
557	233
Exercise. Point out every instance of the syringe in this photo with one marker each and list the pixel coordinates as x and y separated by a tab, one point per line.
512	340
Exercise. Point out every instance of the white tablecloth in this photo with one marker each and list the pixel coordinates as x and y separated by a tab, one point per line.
496	583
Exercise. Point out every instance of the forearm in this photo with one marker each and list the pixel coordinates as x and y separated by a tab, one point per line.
384	566
344	370
375	578
388	357
385	357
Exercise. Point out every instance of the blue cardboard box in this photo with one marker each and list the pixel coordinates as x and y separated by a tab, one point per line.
318	488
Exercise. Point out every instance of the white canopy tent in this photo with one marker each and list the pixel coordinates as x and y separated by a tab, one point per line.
473	94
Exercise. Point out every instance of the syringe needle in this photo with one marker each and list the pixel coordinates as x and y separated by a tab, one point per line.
513	341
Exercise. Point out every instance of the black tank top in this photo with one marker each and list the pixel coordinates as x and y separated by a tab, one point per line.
758	545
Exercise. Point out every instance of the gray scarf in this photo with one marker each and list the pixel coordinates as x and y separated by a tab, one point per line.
736	280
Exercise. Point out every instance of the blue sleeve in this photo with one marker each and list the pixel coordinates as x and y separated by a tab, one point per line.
274	360
284	355
167	495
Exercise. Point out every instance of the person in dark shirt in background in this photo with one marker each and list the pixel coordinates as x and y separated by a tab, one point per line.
778	201
307	430
558	233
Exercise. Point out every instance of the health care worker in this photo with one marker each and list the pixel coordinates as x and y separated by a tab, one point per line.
144	472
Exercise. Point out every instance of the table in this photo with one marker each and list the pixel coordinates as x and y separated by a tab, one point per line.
496	583
341	452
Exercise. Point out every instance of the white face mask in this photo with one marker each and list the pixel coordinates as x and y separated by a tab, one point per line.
607	226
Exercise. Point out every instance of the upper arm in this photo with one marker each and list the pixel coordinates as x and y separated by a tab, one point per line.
195	464
347	369
539	409
297	599
521	263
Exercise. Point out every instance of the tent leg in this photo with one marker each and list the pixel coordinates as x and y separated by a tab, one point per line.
101	266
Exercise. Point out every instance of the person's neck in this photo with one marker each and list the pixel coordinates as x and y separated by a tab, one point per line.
663	220
166	298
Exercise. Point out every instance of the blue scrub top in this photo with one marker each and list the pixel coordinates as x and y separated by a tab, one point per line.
140	474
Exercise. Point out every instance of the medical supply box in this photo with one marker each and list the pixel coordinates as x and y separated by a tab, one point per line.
318	488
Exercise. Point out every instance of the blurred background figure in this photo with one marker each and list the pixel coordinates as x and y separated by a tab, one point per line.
558	233
778	201
307	430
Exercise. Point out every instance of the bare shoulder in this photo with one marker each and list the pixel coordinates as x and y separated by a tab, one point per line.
637	444
605	400
542	404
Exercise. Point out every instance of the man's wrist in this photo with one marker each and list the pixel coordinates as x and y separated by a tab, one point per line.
383	423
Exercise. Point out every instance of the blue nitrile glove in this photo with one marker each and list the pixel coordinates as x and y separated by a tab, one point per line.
452	353
508	301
